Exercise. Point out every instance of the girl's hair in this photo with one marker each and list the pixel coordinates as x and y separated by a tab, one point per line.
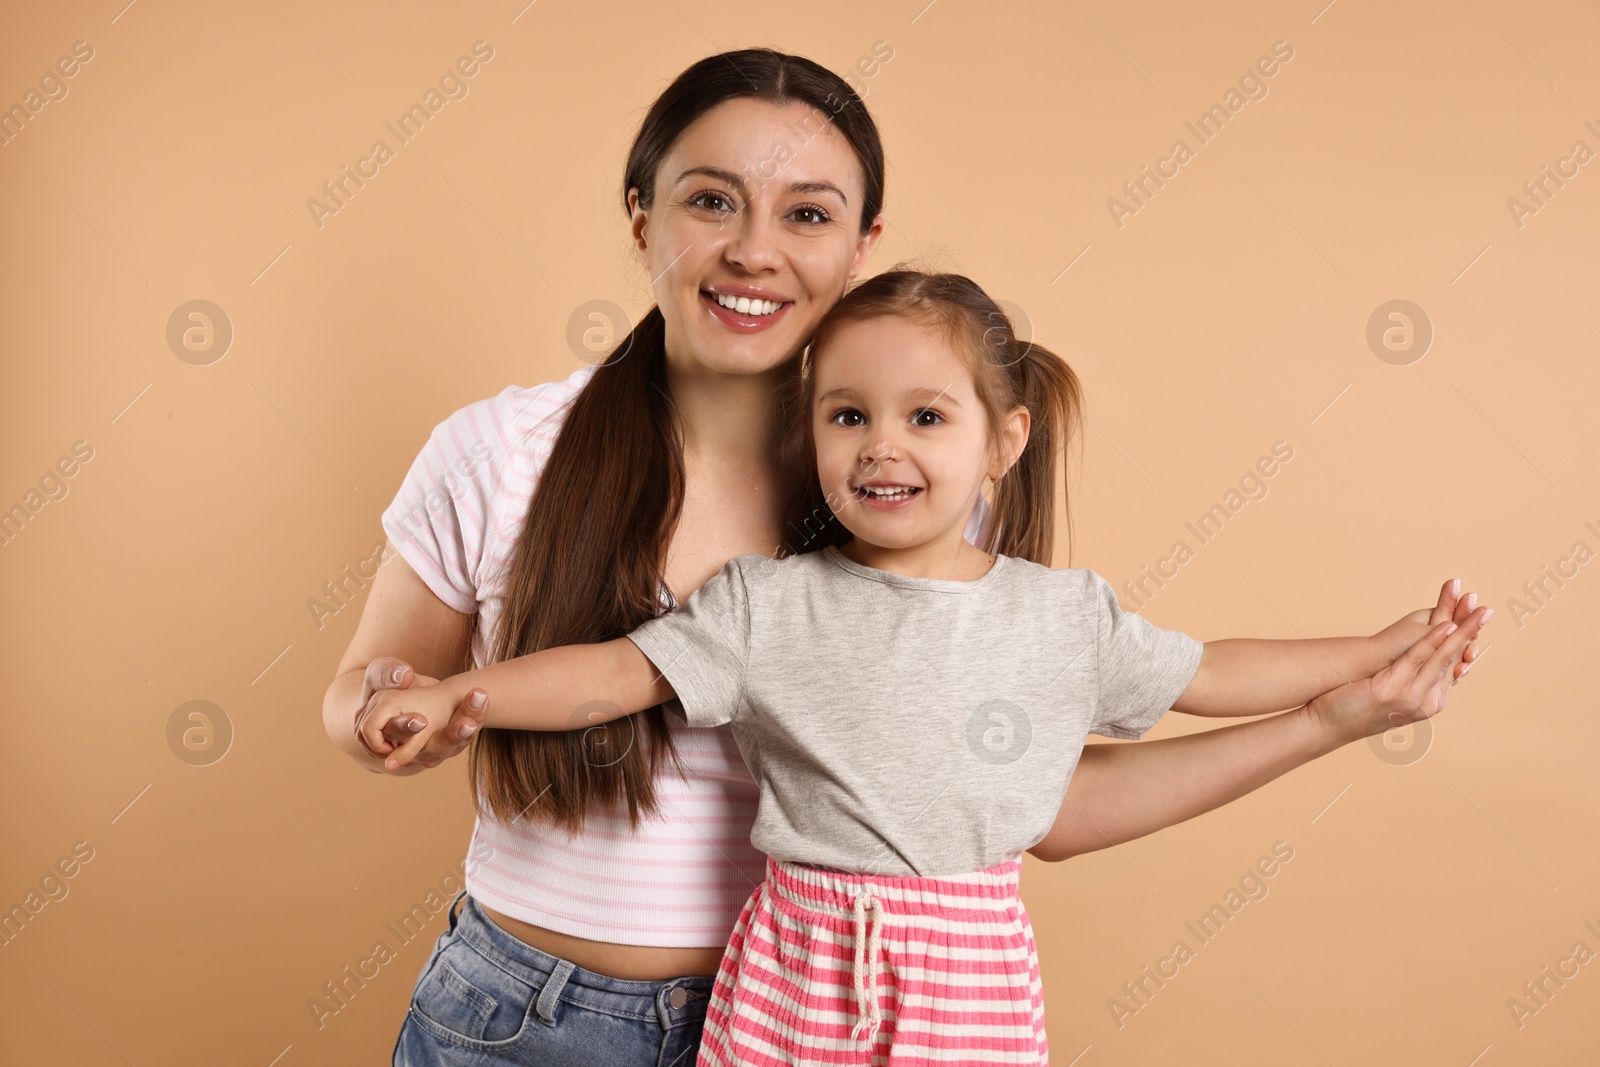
590	562
1006	371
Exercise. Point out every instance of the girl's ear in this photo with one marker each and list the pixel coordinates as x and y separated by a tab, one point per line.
1013	439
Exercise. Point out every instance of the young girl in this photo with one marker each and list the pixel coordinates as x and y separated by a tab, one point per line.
911	706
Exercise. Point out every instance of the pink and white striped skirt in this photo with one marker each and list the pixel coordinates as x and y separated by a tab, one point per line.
830	968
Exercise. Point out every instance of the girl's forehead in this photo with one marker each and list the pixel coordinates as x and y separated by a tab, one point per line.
887	341
889	353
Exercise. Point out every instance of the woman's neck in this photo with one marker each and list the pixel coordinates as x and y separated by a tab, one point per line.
728	418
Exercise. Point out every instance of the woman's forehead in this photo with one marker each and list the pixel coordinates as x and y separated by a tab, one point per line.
767	145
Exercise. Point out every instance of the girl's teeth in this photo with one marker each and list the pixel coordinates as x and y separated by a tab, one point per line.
745	305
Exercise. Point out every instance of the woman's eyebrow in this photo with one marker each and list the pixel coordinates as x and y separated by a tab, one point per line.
794	187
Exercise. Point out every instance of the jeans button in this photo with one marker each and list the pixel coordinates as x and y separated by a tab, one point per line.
678	997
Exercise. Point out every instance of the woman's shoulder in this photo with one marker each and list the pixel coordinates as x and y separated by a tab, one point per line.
518	422
522	410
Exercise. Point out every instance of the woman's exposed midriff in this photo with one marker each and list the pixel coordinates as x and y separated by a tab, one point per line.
647	963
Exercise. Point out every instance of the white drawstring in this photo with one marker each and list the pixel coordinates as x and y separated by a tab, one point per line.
866	965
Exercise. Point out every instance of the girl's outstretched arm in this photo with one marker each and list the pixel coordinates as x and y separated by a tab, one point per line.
553	689
1253	676
1122	791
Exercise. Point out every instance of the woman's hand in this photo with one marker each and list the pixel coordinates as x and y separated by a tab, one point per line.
1409	629
389	672
1412	688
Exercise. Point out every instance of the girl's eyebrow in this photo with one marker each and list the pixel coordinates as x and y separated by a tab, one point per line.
738	183
920	394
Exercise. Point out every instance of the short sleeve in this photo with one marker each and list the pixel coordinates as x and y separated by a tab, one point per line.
1142	668
702	647
439	518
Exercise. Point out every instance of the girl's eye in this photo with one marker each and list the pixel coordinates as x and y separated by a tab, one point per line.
821	215
927	417
846	417
699	199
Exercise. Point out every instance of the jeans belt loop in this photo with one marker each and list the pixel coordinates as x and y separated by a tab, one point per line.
546	1004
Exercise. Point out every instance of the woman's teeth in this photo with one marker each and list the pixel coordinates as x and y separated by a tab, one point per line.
746	306
890	492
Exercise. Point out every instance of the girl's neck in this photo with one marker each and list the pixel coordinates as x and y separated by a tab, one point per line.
949	556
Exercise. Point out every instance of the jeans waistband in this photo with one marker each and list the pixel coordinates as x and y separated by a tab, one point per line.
556	978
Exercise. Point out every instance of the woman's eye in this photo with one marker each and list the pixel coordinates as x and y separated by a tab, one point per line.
699	199
927	417
819	216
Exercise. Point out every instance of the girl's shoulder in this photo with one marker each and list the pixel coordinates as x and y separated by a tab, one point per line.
1028	570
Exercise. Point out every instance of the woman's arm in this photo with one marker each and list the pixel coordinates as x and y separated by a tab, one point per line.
403	627
1122	791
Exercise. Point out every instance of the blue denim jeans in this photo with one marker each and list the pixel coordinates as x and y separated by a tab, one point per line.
487	998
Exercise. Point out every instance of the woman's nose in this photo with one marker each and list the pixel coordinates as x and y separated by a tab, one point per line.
754	243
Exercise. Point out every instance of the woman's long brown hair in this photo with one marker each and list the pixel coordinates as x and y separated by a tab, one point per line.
590	562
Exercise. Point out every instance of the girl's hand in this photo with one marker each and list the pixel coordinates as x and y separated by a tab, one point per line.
390	672
1409	629
429	704
1412	688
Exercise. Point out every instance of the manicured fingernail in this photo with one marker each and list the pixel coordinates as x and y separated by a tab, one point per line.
1450	629
478	699
398	671
468	730
413	725
1472	601
1455	587
1487	613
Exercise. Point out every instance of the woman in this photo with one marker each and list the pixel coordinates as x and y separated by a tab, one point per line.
574	510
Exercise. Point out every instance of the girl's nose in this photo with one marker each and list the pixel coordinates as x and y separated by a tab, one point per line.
879	451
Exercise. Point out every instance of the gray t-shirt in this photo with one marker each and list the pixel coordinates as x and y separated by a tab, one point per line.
912	726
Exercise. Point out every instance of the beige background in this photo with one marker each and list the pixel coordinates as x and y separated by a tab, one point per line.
1228	313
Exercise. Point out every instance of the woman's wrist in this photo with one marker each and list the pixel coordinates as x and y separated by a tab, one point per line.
1324	734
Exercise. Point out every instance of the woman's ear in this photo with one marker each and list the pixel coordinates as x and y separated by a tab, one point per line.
636	219
865	244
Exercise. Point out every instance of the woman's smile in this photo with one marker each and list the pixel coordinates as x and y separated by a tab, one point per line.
743	308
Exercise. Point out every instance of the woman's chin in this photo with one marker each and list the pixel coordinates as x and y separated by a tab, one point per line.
749	357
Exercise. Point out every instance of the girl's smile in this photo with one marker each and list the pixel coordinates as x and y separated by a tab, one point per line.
887	496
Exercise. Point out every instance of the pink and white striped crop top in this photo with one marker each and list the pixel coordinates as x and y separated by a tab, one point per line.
679	880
